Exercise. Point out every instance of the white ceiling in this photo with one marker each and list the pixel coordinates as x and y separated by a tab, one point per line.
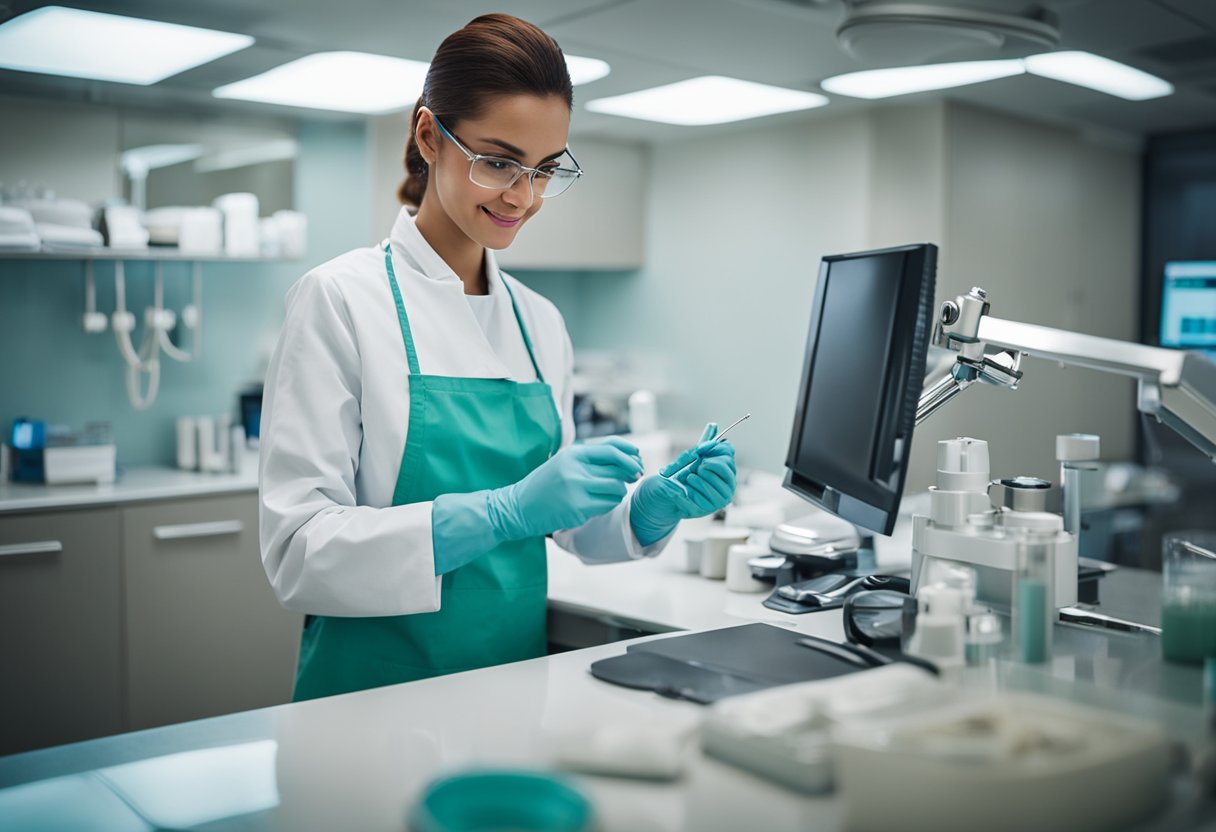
786	42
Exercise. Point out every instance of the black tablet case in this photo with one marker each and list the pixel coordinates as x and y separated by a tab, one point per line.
705	667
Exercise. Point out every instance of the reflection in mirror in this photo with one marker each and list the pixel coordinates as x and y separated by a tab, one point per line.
172	160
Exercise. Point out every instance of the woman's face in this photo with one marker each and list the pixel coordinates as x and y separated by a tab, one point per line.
528	129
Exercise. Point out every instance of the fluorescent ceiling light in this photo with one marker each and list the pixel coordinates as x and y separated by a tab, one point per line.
711	99
1102	74
349	82
902	80
108	47
586	70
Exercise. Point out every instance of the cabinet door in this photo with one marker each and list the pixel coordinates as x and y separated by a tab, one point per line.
205	633
60	628
598	224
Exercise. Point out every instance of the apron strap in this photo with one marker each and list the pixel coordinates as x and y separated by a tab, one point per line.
411	354
523	330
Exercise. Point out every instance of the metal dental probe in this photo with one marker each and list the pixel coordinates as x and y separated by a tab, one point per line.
715	440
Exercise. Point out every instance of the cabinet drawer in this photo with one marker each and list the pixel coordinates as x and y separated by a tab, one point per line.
60	628
205	633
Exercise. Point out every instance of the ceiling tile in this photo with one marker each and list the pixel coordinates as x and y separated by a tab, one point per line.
1201	11
1110	26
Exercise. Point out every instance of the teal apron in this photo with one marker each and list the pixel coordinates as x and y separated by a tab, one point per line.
465	434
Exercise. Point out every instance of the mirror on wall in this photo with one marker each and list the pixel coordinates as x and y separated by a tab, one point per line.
171	160
94	153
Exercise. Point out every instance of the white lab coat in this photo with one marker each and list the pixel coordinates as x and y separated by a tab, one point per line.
335	416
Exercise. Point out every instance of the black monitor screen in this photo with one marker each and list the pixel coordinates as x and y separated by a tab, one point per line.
865	363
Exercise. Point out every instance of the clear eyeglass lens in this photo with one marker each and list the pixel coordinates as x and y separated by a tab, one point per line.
558	183
502	173
495	173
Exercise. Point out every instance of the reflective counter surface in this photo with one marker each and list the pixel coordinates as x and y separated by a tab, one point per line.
362	760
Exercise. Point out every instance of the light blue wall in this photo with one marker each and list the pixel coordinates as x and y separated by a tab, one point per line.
52	370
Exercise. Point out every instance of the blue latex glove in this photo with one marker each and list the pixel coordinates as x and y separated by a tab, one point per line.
661	502
577	483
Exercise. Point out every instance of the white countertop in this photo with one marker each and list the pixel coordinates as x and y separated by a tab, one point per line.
361	761
133	485
652	594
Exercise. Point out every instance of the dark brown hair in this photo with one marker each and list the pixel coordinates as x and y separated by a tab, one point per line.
495	54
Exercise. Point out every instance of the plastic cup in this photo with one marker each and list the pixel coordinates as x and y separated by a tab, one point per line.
717	544
1188	596
491	801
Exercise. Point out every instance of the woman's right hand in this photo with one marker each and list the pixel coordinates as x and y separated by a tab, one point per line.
575	484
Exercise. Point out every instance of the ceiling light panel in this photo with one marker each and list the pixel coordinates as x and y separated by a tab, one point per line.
108	47
1097	73
585	70
711	99
904	80
349	82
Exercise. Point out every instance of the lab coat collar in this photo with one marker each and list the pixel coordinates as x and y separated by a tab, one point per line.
412	246
479	359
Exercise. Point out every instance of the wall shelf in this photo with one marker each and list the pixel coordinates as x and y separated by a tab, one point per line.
166	254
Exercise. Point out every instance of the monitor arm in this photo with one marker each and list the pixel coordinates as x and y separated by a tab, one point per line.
1177	388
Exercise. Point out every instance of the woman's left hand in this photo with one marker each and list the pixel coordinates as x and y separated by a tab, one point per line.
706	486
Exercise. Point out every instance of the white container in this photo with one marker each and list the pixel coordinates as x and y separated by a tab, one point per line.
221	461
240	212
717	544
80	464
694	545
237	448
738	573
1009	763
293	233
187	444
206	442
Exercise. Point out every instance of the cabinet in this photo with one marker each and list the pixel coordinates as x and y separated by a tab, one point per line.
205	634
600	223
131	616
60	628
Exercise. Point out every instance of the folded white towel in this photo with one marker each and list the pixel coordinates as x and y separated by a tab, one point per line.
66	236
15	220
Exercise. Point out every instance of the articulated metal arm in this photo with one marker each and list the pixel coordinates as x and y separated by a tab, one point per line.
1177	388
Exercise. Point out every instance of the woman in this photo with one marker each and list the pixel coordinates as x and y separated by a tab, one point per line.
417	421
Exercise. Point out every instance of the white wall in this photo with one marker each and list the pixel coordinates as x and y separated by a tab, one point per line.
386	136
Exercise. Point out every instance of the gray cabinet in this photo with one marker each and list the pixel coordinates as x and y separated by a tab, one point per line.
205	634
60	628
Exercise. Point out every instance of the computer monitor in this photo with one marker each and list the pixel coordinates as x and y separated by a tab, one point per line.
1188	306
861	380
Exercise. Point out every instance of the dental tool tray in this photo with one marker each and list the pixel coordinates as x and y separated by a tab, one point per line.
705	667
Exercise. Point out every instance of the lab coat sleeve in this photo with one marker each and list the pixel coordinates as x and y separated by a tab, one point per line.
608	538
323	553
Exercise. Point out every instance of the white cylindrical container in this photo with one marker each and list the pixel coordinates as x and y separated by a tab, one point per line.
694	543
206	442
236	448
738	573
717	543
187	444
643	414
221	463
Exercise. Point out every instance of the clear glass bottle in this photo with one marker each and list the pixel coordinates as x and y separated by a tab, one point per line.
1033	609
983	637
